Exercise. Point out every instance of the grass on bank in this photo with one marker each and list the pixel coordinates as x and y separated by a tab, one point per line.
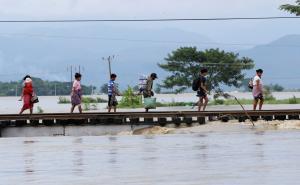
271	101
66	100
131	100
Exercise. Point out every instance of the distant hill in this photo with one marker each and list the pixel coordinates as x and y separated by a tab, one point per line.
47	53
280	60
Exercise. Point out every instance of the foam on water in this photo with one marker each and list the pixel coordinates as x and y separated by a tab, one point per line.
217	126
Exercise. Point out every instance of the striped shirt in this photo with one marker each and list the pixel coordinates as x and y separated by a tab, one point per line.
111	87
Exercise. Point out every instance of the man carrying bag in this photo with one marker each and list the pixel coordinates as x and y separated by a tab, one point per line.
150	103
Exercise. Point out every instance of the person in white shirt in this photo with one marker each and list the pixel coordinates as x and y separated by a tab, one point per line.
258	90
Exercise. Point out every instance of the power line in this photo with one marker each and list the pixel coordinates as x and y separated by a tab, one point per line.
148	20
145	40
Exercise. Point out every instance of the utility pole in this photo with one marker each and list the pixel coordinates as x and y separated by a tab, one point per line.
16	90
55	89
109	60
73	69
70	69
71	79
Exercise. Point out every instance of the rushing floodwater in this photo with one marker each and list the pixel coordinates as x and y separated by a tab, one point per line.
210	158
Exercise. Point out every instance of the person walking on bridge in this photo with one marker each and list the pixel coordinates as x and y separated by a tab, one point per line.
112	90
147	92
202	91
258	90
27	94
76	94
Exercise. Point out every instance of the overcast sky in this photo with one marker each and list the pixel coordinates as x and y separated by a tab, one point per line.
234	31
137	8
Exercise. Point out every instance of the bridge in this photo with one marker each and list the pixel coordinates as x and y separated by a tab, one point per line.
52	124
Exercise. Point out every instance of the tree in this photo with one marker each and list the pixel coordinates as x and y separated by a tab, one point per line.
184	64
294	9
275	87
104	88
245	84
157	89
41	87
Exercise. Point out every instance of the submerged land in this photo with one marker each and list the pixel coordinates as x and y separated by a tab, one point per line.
169	102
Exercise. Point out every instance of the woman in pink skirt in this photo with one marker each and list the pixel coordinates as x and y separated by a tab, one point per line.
76	94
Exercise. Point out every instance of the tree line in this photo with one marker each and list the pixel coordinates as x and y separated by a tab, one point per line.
41	87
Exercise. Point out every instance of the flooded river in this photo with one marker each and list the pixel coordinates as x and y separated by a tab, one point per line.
239	156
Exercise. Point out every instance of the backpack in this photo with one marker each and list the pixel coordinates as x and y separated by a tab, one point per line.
250	84
196	84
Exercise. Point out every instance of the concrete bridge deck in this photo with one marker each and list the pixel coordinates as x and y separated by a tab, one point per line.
13	125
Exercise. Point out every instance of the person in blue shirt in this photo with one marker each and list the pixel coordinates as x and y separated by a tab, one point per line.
112	92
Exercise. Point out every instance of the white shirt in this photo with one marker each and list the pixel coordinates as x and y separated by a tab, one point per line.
257	79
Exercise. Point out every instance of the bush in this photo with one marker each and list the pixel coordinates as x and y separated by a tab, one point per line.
93	100
174	104
90	106
219	102
129	99
100	100
293	100
268	94
63	100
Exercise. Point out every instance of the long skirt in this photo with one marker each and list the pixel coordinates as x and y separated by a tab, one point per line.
76	98
27	104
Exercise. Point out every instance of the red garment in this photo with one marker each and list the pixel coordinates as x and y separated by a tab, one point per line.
28	89
27	95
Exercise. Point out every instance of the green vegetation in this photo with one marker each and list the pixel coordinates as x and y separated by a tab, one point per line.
227	102
64	100
89	106
42	88
130	100
294	9
104	88
93	100
89	100
225	68
174	104
276	88
293	100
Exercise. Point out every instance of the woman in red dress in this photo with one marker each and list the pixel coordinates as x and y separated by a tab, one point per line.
27	95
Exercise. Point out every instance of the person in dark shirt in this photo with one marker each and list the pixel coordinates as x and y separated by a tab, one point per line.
202	92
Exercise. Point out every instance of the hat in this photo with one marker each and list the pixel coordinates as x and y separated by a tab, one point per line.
154	75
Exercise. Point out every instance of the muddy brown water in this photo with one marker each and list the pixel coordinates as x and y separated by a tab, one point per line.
206	155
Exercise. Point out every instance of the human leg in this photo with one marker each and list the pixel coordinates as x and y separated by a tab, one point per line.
205	102
72	108
80	109
261	102
255	101
200	103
